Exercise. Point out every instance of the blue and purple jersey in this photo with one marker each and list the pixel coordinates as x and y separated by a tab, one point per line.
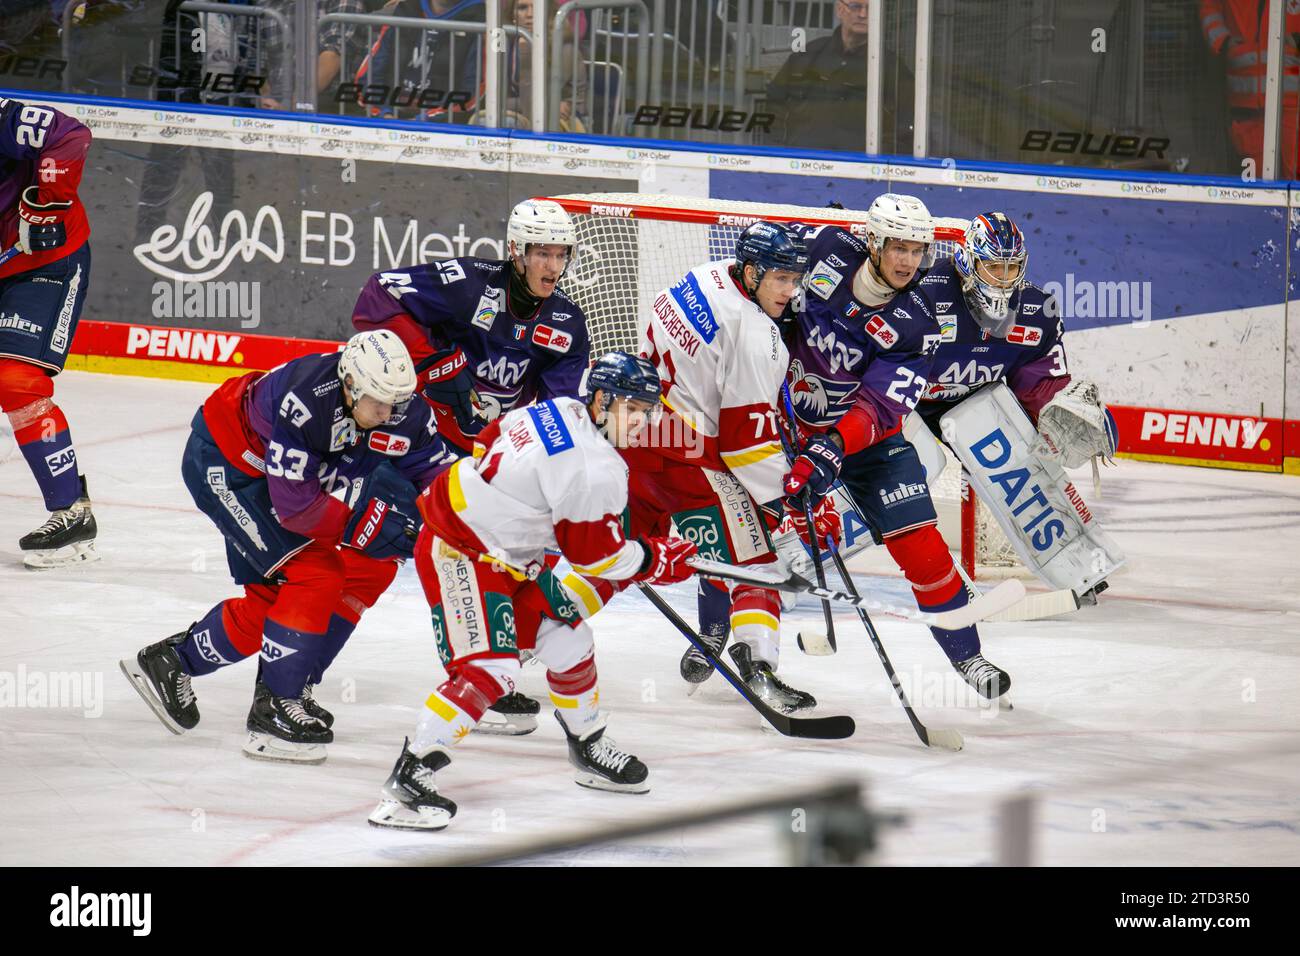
1031	358
857	368
291	424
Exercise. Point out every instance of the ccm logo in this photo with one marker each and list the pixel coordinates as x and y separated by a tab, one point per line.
388	444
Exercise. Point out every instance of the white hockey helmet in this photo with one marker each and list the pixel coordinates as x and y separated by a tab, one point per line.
895	216
542	221
380	367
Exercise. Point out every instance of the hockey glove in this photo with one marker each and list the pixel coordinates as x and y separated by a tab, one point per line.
826	520
40	225
665	560
816	469
384	525
1074	426
446	380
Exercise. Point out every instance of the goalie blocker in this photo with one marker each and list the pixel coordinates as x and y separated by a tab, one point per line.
1033	500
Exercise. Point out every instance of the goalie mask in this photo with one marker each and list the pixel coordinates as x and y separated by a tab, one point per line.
991	262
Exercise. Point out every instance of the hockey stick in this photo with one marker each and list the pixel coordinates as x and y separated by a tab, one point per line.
1034	607
813	728
779	578
827	646
8	254
943	739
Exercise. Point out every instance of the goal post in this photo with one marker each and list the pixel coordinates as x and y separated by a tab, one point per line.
631	246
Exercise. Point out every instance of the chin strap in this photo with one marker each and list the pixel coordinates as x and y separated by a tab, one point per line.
869	288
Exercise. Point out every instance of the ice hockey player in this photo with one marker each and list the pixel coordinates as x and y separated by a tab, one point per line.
861	352
714	461
995	326
543	476
304	470
44	277
488	335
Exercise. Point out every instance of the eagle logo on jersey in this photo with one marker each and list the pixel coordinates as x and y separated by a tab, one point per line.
818	401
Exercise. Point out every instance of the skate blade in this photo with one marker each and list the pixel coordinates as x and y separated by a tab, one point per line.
594	781
145	690
266	747
514	725
392	815
66	557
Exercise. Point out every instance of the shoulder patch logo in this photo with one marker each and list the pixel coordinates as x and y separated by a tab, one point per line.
551	428
824	280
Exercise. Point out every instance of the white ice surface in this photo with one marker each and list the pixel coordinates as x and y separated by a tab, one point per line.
1135	721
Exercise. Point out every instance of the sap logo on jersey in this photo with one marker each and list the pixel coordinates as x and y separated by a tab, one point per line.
551	338
389	444
1037	518
1024	335
882	331
61	461
271	651
550	426
203	639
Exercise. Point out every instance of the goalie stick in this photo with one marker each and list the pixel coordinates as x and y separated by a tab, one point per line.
773	576
812	728
943	739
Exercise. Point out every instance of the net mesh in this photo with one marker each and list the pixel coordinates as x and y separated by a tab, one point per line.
631	246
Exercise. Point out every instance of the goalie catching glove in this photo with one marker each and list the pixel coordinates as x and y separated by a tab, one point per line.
1075	426
665	560
445	379
814	470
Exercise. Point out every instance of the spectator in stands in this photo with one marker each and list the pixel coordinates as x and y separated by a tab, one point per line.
331	42
1238	30
519	73
819	96
433	60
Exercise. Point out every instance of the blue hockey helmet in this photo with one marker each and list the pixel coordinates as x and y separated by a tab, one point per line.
770	245
992	239
624	375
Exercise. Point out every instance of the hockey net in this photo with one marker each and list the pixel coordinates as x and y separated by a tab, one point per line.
631	246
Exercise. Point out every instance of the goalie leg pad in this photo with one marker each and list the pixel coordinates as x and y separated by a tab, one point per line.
924	559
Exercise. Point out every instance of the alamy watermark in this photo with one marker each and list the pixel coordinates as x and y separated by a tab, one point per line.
71	690
209	300
1085	299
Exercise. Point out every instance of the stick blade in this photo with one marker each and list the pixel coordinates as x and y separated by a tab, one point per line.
838	727
1036	607
1006	595
814	643
944	739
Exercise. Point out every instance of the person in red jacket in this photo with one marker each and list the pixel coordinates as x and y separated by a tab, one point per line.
44	277
1237	30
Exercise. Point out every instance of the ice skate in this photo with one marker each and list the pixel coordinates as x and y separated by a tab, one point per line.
511	716
66	538
158	677
770	688
281	729
410	799
600	765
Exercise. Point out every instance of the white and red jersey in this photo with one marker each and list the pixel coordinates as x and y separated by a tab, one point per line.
721	361
545	478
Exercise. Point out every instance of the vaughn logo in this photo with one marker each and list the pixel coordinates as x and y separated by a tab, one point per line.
205	254
75	908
